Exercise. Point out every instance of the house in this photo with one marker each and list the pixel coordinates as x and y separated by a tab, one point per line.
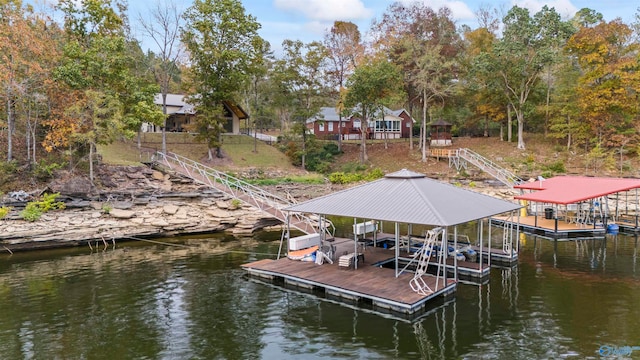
180	114
326	125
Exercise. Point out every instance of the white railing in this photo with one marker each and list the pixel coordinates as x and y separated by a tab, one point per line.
503	175
242	190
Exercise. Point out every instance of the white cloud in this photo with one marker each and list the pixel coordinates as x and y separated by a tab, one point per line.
459	9
563	7
326	10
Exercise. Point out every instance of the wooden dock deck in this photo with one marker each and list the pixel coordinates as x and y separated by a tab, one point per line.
369	283
555	228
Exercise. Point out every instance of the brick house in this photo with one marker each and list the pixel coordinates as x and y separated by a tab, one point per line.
326	125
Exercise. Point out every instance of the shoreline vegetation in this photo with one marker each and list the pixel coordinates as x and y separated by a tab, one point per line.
131	201
152	204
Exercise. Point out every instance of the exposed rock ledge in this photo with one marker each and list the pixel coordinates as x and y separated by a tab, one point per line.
157	206
157	218
142	203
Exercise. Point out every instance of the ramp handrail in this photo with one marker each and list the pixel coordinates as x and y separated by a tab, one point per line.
503	175
243	191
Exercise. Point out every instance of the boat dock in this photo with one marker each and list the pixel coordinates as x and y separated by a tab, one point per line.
467	270
554	228
371	283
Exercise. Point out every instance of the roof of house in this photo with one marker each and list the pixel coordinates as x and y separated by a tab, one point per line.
236	109
408	197
573	189
331	114
178	101
175	101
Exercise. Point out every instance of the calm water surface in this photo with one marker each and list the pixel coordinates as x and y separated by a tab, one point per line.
190	300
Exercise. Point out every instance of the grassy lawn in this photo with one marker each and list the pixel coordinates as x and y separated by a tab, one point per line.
241	151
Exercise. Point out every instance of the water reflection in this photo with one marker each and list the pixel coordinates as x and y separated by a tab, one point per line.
188	299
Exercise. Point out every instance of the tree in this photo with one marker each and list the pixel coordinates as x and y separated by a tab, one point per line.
521	55
410	35
480	82
98	67
373	86
344	50
27	54
609	82
223	43
163	29
301	82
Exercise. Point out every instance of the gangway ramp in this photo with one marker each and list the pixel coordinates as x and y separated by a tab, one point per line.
250	194
460	158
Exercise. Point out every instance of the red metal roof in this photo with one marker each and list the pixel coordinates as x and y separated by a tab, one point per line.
573	189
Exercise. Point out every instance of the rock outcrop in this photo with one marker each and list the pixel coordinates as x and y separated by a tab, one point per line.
143	203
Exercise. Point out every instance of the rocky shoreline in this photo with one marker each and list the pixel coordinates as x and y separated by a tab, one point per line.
139	202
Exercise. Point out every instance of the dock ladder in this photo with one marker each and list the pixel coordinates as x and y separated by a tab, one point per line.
241	190
424	255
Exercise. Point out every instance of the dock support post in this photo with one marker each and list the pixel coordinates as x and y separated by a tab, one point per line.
455	254
397	232
355	244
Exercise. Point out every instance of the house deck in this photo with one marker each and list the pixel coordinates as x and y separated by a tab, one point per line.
369	283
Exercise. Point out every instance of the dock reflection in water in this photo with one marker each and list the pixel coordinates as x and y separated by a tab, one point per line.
563	299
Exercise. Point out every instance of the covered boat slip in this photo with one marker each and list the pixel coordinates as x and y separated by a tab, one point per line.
579	206
417	274
372	283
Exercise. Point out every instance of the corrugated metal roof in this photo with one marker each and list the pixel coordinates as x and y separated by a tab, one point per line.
408	197
573	189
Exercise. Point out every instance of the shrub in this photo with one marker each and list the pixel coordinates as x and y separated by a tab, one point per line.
557	167
32	212
106	208
236	203
34	209
346	178
44	171
374	174
4	211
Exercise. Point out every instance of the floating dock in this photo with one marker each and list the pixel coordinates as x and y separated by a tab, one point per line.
371	283
554	228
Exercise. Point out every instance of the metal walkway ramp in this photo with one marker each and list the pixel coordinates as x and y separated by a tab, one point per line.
460	158
239	189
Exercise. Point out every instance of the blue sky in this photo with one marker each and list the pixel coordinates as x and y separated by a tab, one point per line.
307	20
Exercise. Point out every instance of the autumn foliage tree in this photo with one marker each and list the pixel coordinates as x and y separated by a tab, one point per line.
27	55
344	49
607	89
97	66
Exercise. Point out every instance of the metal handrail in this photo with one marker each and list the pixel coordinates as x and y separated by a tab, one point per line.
505	176
241	190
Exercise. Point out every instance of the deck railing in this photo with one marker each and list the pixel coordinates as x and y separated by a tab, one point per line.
242	190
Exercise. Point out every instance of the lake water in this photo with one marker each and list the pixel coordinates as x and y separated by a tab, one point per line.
190	300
